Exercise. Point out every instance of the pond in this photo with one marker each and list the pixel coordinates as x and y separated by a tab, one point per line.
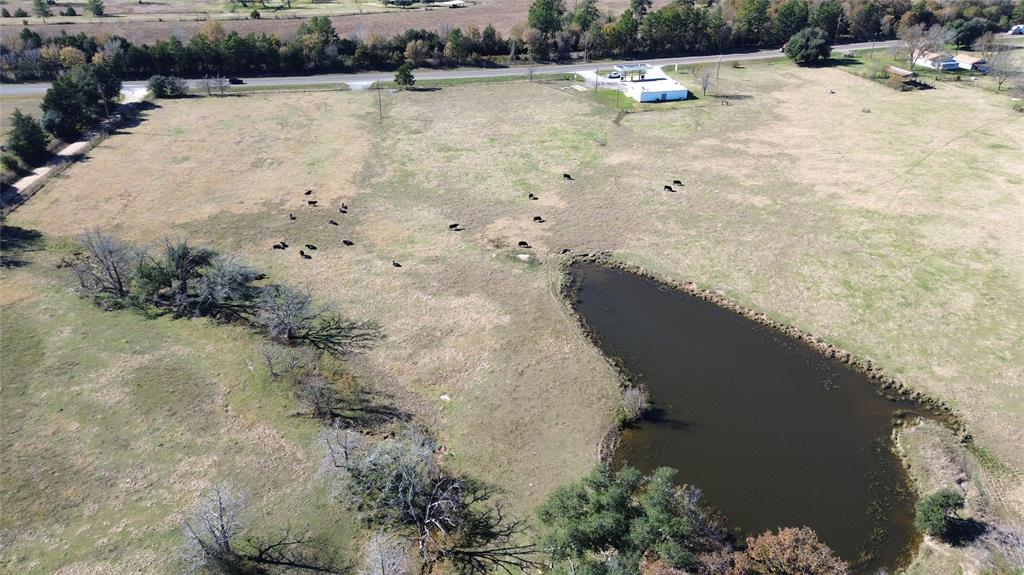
774	433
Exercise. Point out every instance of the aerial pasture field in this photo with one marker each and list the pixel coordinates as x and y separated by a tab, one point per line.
890	224
152	21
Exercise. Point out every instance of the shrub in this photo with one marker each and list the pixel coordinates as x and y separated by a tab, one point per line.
932	514
27	140
404	77
10	163
168	86
95	7
635	402
20	13
70	11
4	13
808	45
255	14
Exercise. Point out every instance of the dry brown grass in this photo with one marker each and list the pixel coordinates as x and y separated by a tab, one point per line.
360	19
894	234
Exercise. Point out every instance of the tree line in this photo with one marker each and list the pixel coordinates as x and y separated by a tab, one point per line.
551	32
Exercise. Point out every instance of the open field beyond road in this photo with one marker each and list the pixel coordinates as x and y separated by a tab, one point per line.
158	21
891	224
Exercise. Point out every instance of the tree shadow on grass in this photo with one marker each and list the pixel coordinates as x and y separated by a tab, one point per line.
14	242
963	532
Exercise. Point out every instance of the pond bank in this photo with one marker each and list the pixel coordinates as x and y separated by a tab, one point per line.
796	431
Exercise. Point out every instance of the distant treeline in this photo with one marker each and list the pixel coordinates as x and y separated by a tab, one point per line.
551	32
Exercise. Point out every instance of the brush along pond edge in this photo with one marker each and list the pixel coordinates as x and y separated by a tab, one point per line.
889	386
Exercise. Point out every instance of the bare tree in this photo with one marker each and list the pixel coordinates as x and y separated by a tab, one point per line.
109	268
210	531
705	77
213	84
987	46
216	543
387	554
918	39
1006	545
289	314
1002	69
398	483
320	397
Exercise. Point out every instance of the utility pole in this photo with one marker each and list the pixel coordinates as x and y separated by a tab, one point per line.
380	104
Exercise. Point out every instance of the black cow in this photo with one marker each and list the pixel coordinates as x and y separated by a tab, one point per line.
669	189
348	242
312	202
344	207
308	192
284	245
524	245
278	247
566	177
538	219
291	217
677	183
453	226
395	264
532	196
310	247
332	222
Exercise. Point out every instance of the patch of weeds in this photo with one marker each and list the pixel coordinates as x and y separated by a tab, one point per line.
986	458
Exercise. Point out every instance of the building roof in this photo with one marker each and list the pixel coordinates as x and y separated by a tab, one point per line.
632	68
655	85
933	56
900	72
968	59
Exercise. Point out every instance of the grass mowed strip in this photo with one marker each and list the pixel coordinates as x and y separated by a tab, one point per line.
867	222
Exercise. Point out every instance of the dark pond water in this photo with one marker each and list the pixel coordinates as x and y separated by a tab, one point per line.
775	434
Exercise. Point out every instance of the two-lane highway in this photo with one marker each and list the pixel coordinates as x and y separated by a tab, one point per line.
363	79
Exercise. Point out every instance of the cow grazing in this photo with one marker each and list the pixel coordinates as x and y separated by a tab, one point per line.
566	177
348	242
344	207
304	255
278	247
453	226
532	196
291	217
395	264
259	277
677	183
332	222
343	210
565	251
524	245
310	247
308	192
312	202
668	189
284	245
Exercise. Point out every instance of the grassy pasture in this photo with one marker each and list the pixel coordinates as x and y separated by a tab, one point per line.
885	231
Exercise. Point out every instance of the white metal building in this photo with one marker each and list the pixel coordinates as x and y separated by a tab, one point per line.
656	90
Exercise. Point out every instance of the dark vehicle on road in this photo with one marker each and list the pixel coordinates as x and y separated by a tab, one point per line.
235	81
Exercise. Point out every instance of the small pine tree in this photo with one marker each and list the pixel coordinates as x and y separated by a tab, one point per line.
933	513
27	140
41	8
20	13
808	45
404	77
255	14
95	7
4	13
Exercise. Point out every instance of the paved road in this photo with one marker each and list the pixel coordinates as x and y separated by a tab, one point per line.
364	79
